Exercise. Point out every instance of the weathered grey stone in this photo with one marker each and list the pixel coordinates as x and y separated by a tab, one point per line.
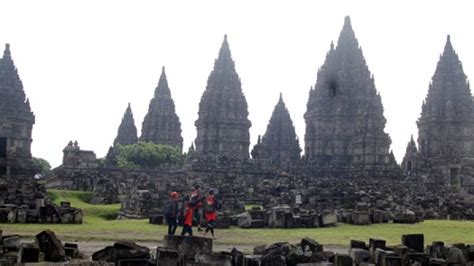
344	118
414	242
161	124
16	122
51	246
189	246
446	124
279	146
223	126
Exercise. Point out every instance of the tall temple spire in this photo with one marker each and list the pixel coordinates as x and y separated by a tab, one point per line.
161	124
344	118
447	117
16	120
127	132
12	95
222	125
280	144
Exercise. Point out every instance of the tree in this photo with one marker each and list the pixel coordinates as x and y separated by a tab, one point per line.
42	164
147	155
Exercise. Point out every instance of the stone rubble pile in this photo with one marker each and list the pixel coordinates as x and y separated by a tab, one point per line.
194	250
46	247
23	200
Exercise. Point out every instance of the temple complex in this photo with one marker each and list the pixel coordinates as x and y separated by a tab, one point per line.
223	126
16	121
446	124
279	146
344	119
161	124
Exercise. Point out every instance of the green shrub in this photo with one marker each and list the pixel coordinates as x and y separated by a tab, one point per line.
147	155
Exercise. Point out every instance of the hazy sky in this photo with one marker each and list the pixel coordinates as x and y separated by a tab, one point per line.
81	62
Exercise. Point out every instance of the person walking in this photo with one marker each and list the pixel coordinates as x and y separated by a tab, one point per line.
188	217
210	213
196	200
170	211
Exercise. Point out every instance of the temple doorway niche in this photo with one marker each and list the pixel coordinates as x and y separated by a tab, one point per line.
3	147
454	177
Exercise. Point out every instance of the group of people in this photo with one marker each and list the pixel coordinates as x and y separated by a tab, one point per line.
187	212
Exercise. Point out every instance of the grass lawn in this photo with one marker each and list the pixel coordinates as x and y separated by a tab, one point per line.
97	226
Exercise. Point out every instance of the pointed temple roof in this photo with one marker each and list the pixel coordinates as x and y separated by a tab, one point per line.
344	118
280	143
13	101
161	124
223	108
447	116
127	132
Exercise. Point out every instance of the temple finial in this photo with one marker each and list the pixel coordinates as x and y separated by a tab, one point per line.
347	21
6	53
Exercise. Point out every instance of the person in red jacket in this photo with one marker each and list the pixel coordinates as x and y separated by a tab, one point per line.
188	217
196	200
210	213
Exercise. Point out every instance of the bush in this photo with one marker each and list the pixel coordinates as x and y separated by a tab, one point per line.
147	155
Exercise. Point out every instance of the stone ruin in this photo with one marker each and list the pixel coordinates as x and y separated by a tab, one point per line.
344	119
16	121
347	168
445	149
24	200
187	250
161	124
223	124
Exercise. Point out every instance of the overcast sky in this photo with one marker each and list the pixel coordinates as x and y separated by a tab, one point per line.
81	62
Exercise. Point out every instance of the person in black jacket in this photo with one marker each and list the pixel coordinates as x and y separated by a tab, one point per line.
170	211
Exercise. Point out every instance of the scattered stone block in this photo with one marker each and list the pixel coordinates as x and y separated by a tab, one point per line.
214	259
189	246
359	255
28	253
156	219
328	218
11	242
167	257
311	244
436	250
133	262
357	244
414	241
51	246
343	260
252	260
455	256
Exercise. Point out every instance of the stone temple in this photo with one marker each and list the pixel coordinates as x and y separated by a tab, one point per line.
223	124
279	146
127	132
344	119
161	124
446	124
16	121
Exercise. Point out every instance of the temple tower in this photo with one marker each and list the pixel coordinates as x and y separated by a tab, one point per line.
280	145
344	118
16	121
446	124
223	126
410	160
127	132
161	124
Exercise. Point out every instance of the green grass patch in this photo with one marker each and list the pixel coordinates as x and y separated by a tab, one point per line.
81	199
97	227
